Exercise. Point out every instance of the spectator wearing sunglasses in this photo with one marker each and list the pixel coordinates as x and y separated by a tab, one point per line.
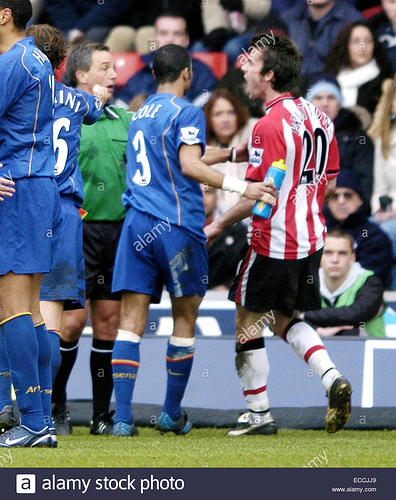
347	209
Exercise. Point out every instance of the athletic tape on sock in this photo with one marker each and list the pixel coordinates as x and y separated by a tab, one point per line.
181	341
128	336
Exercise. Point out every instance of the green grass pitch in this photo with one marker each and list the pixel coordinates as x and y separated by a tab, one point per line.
212	448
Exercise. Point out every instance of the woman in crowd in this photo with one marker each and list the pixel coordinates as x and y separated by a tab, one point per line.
383	132
360	64
228	124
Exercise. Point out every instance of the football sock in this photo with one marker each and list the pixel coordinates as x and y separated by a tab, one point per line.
5	375
68	352
56	358
253	369
102	379
125	364
179	360
44	366
308	345
23	353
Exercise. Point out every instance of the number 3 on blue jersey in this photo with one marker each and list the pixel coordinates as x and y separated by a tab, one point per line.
143	177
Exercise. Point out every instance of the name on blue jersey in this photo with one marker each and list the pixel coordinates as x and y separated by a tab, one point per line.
147	112
70	100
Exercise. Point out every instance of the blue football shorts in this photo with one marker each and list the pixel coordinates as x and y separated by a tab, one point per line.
28	226
66	281
153	253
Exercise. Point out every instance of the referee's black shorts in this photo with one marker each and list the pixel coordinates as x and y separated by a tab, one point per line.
100	241
264	284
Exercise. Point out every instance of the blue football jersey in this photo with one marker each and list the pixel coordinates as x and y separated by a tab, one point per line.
26	112
155	182
72	109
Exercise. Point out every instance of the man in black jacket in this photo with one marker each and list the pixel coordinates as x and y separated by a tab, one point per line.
352	297
347	209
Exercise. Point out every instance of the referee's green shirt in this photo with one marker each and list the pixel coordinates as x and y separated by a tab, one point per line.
102	160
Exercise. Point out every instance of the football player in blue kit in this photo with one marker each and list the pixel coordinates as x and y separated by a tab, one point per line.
28	219
64	286
162	240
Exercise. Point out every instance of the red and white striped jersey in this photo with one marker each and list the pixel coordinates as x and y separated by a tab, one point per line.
303	136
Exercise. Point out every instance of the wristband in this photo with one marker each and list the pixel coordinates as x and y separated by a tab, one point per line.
233	184
232	157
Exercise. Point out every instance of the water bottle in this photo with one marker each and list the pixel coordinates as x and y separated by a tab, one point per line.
275	174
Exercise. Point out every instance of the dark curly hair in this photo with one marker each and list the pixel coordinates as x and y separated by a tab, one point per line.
50	41
338	58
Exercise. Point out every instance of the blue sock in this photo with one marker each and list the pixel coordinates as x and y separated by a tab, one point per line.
56	357
125	364
179	362
45	377
5	376
23	353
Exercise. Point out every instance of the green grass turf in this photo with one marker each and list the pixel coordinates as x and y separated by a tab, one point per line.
212	448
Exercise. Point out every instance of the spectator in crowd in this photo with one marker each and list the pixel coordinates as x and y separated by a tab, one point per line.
170	28
84	19
102	160
137	30
360	64
227	125
225	251
314	27
229	25
355	147
346	209
352	297
384	24
384	194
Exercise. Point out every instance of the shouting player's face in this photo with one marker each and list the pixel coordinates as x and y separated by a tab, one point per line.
101	71
253	76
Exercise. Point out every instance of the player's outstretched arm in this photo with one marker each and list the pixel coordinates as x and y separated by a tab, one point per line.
6	188
193	167
235	214
215	155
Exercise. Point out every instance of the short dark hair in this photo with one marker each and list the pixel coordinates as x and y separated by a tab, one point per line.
50	41
283	58
22	11
341	233
169	61
175	14
80	59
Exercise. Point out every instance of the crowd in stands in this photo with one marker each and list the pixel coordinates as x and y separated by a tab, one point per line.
349	61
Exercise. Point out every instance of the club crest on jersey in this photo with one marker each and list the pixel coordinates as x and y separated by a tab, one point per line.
189	135
256	156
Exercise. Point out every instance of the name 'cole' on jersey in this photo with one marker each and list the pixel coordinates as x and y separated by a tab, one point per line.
26	112
293	130
156	184
72	108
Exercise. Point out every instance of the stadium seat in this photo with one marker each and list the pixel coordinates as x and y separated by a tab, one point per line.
217	62
126	65
372	11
